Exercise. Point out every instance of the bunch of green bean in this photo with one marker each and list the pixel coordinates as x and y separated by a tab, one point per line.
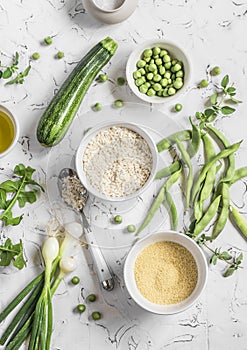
207	185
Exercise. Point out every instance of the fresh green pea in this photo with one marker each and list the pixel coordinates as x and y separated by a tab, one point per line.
168	170
151	92
221	155
189	181
204	83
173	76
149	76
137	74
177	84
180	74
141	63
147	84
165	92
163	53
156	51
157	78
168	65
96	315
48	40
239	220
166	59
91	298
162	70
75	280
81	308
215	71
174	62
171	91
59	55
178	107
207	217
171	207
177	67
152	67
224	209
118	103
160	93
146	68
152	61
169	82
143	88
118	219
147	59
164	82
97	107
141	70
140	81
158	61
35	56
147	53
169	141
131	228
157	87
121	80
103	77
167	75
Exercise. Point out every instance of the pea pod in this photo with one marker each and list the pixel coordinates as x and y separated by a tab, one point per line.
224	210
207	217
186	159
195	140
168	170
239	220
167	142
238	175
231	160
221	155
172	179
171	207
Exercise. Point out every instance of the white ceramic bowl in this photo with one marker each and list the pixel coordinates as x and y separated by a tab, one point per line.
181	239
16	130
175	51
83	144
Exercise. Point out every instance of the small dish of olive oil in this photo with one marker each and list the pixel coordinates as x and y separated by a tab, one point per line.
8	131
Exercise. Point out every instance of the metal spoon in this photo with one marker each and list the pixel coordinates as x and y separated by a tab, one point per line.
103	271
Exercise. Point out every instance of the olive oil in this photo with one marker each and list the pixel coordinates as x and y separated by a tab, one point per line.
7	131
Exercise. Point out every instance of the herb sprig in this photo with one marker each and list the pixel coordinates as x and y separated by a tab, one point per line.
7	72
15	191
10	252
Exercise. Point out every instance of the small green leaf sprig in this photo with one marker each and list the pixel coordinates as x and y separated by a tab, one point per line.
10	252
232	261
7	72
218	101
15	191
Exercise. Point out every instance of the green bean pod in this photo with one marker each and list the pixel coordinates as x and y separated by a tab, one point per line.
168	170
167	142
238	175
172	179
207	217
189	183
155	206
221	155
195	140
224	210
239	220
231	160
169	203
198	210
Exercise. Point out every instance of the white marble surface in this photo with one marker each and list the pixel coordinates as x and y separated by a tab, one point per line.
212	32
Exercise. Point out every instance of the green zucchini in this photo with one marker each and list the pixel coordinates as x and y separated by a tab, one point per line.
58	116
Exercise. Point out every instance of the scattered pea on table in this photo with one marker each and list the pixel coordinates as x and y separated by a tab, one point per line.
96	315
60	55
48	40
118	219
120	81
81	308
35	56
75	280
97	107
131	228
178	107
215	71
203	83
118	103
91	297
103	78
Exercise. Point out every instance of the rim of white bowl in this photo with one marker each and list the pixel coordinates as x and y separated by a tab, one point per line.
197	254
170	46
16	130
95	130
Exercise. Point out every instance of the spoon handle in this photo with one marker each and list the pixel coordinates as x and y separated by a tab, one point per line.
103	271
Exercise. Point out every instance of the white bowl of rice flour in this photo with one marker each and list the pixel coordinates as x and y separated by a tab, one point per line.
116	161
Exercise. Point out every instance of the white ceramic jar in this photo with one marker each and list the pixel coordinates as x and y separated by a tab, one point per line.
110	11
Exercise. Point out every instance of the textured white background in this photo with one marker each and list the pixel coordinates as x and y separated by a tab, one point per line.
213	33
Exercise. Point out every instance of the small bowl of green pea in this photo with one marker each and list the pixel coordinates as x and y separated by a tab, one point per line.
158	71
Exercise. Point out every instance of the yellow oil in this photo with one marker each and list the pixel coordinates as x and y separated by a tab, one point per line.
7	131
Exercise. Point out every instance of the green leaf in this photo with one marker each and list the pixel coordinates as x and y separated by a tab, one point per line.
9	220
213	98
26	71
235	100
225	255
231	90
25	197
12	253
208	112
3	202
16	59
10	186
1	74
21	170
7	73
229	271
212	118
226	110
213	259
239	259
225	81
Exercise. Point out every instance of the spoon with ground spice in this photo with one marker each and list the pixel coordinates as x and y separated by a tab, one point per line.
75	195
